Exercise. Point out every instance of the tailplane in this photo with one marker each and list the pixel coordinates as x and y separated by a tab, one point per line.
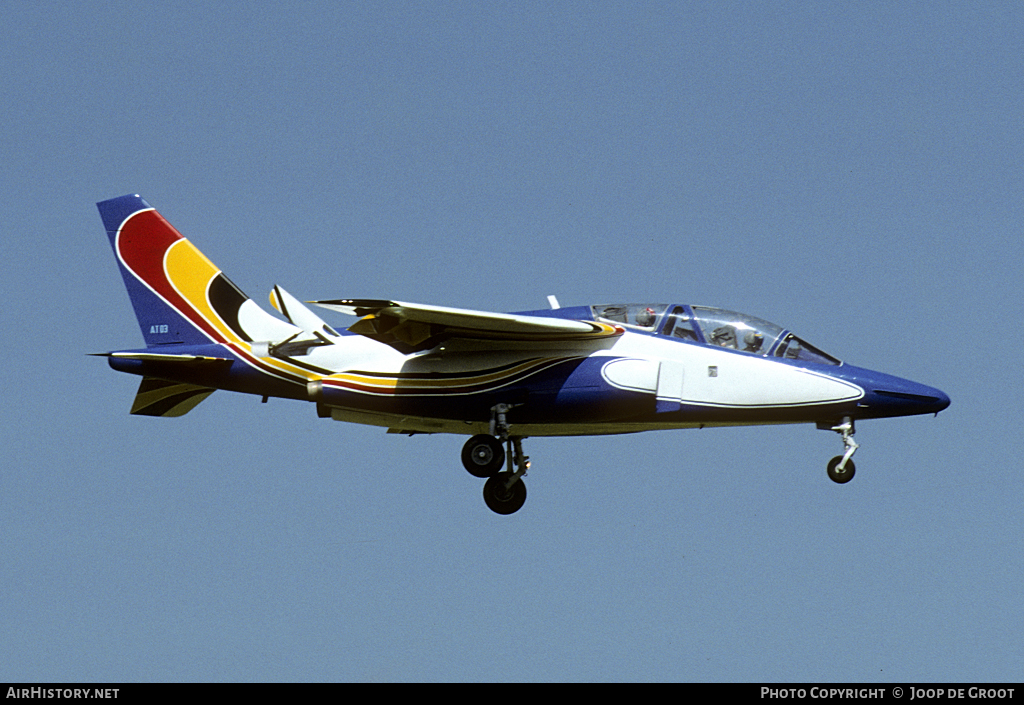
158	397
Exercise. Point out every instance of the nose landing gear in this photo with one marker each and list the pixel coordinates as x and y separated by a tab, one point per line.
841	467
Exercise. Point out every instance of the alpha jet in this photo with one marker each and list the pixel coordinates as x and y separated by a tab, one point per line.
495	377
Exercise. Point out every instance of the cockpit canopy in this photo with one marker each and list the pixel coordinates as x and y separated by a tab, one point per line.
714	326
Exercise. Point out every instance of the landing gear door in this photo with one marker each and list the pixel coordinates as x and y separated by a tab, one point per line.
670	386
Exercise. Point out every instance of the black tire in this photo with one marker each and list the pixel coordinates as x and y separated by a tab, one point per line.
841	477
501	500
483	455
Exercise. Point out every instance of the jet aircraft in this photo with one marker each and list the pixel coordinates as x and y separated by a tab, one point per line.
495	377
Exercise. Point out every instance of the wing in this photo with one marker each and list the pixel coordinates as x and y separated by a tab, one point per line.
413	327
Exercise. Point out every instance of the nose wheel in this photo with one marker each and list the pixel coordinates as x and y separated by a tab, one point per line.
841	467
841	476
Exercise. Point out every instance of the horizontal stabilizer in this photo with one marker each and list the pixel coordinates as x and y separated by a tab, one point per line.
166	357
157	397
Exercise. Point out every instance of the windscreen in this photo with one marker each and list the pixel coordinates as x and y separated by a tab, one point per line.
793	348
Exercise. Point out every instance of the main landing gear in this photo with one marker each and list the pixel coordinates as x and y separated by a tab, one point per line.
484	455
841	467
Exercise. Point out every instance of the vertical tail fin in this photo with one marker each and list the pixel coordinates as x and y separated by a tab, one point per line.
179	296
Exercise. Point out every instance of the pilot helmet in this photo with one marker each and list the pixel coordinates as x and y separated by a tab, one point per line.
753	340
645	317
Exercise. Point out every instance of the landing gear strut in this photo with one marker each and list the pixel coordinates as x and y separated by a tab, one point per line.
483	456
841	467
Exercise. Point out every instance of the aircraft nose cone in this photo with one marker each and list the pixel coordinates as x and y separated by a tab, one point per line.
913	398
886	395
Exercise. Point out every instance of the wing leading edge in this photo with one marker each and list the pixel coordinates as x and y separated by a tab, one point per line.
413	327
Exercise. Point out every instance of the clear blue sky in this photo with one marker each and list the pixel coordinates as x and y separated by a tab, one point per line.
851	171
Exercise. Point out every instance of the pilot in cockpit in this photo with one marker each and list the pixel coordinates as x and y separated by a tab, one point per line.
724	336
646	317
753	341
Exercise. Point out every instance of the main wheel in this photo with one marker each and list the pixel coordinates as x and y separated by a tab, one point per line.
483	455
501	500
841	477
